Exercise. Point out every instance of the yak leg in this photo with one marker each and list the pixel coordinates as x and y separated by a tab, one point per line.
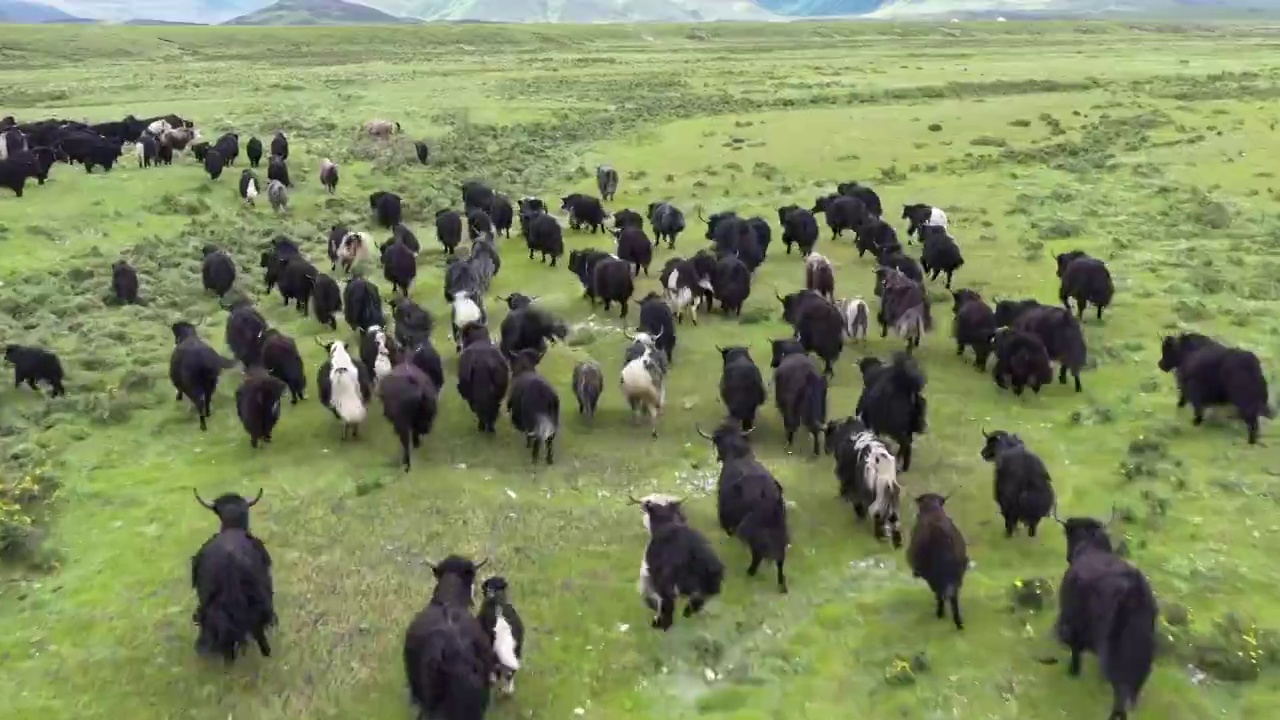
404	448
782	576
955	608
260	634
694	607
1074	668
665	611
940	610
550	449
754	567
1010	524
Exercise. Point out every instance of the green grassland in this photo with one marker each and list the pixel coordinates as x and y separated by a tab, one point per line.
1149	146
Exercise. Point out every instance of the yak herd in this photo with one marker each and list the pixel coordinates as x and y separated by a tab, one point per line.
453	657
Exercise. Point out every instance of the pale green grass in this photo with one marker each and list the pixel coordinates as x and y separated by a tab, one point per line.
107	633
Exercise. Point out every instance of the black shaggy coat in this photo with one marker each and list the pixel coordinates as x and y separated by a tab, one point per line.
843	213
231	574
124	282
750	504
32	365
362	305
974	326
253	150
449	229
611	282
1210	374
1062	338
534	405
1023	488
892	402
941	254
741	386
413	323
1021	359
386	208
799	391
258	405
730	283
545	236
245	328
799	228
1106	606
409	402
281	359
217	271
326	300
657	319
448	660
194	368
635	247
483	377
1085	280
680	562
278	170
937	553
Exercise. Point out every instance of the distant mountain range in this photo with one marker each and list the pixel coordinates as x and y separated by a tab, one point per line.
340	12
318	12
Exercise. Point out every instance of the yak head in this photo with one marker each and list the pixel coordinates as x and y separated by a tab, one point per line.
962	296
455	580
182	330
525	361
868	366
1176	348
998	442
208	250
1085	534
784	211
473	332
515	301
660	509
821	204
1065	259
375	197
931	504
837	429
494	589
734	352
792	302
783	348
730	441
232	509
1009	310
627	218
714	221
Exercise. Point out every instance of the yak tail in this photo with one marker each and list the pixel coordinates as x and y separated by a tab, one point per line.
1131	642
544	426
225	364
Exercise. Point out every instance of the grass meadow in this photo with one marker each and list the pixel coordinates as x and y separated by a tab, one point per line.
1149	146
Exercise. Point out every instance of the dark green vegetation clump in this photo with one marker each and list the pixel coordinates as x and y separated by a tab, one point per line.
1101	141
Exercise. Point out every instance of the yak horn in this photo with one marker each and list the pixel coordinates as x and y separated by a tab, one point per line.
256	499
748	432
1053	513
700	214
775	294
326	347
504	298
482	563
699	429
627	335
984	434
631	500
200	499
655	337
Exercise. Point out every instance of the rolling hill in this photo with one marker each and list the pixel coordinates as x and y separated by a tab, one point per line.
317	12
21	12
335	12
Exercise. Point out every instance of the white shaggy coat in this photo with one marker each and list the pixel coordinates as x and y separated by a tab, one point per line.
344	380
880	468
